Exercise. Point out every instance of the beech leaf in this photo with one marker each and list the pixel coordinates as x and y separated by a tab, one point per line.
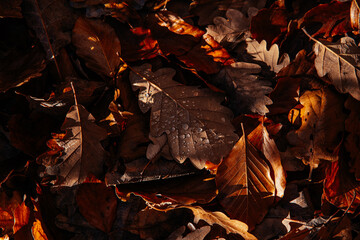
82	150
339	62
97	43
247	93
196	124
270	57
246	189
52	21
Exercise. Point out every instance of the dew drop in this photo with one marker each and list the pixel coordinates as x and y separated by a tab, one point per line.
172	129
206	141
223	119
182	136
188	135
199	130
185	126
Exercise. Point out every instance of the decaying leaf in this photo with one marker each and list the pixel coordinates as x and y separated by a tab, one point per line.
270	57
247	93
196	124
97	203
82	152
246	189
339	62
97	43
52	21
322	125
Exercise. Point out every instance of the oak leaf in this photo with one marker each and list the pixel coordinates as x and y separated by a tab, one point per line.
322	124
246	189
97	43
52	22
196	124
270	57
82	152
339	62
247	93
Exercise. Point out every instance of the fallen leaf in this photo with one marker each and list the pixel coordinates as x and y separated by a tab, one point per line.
246	189
339	62
188	43
196	125
97	203
261	140
247	93
321	127
52	22
97	43
270	57
37	231
334	18
21	217
83	153
352	141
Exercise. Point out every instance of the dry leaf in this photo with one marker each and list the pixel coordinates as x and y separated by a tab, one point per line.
21	217
322	124
37	231
97	43
247	93
52	21
82	152
10	9
270	57
196	124
97	203
246	189
261	140
339	62
334	18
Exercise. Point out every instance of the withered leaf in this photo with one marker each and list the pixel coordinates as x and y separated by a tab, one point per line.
339	62
260	138
270	57
246	189
52	21
97	43
196	124
97	203
82	150
322	123
247	93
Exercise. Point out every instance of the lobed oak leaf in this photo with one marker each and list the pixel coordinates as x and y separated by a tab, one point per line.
97	43
52	22
187	42
197	126
246	188
321	127
270	57
82	154
339	62
247	93
334	18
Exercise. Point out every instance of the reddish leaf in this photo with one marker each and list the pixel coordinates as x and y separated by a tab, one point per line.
97	203
21	217
334	18
246	189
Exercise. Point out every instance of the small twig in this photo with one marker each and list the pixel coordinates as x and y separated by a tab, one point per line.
73	89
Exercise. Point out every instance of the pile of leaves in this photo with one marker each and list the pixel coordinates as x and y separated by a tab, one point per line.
173	119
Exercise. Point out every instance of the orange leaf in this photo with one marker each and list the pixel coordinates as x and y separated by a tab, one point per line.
37	231
21	217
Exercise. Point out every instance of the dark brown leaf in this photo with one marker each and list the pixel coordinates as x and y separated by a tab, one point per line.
10	8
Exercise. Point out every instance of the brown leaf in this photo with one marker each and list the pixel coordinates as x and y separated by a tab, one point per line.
246	189
334	18
10	9
339	62
97	43
52	21
322	124
37	231
196	125
188	43
83	153
97	203
261	140
352	141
